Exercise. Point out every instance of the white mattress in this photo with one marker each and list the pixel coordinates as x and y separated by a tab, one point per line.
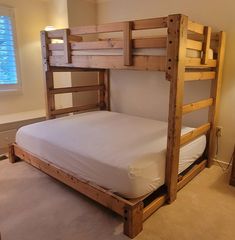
136	52
122	153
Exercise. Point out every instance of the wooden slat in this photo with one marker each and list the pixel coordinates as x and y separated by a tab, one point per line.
75	109
188	137
196	63
67	48
73	38
195	76
56	34
109	44
191	174
206	44
195	27
150	23
192	44
157	63
127	43
153	206
176	52
215	93
102	28
197	105
112	44
98	194
158	42
76	89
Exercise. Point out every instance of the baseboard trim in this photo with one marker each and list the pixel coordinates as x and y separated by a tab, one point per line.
221	163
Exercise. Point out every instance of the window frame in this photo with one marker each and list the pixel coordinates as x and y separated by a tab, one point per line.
5	88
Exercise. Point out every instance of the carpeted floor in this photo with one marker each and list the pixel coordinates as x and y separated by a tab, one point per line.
33	206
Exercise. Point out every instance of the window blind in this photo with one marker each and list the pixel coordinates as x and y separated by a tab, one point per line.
8	70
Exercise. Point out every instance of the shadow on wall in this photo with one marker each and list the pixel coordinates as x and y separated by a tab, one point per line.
146	94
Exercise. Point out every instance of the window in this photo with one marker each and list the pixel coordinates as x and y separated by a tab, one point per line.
9	77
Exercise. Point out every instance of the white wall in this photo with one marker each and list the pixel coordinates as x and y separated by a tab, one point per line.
145	93
30	18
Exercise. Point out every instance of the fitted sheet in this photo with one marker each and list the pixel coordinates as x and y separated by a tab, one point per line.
122	153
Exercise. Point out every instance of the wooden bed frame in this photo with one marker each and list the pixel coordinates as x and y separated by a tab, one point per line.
182	34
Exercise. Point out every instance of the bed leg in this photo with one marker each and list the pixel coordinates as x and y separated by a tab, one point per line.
133	220
12	157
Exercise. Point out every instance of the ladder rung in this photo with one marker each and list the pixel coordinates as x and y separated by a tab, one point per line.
197	105
76	89
195	76
75	109
190	136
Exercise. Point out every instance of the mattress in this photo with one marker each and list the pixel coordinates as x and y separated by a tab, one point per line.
136	52
122	153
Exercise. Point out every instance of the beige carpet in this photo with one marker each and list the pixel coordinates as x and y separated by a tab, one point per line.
33	206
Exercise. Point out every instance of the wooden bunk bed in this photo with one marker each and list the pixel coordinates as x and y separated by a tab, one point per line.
182	34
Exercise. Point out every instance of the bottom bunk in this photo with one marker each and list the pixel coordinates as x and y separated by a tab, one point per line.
123	154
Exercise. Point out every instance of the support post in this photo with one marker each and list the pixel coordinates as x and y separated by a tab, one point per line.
11	155
50	97
215	94
133	219
176	52
127	43
104	95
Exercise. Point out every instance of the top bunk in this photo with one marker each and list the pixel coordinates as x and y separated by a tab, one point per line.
140	45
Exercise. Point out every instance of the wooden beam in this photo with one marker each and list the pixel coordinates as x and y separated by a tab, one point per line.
94	192
215	93
76	89
206	45
197	105
133	220
107	97
101	96
155	42
190	136
153	206
158	42
67	47
102	28
195	76
56	34
191	174
72	69
75	109
150	23
157	63
49	98
196	45
176	52
195	27
45	42
127	43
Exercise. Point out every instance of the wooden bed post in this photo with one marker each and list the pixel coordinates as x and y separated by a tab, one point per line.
133	220
48	75
215	94
176	52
